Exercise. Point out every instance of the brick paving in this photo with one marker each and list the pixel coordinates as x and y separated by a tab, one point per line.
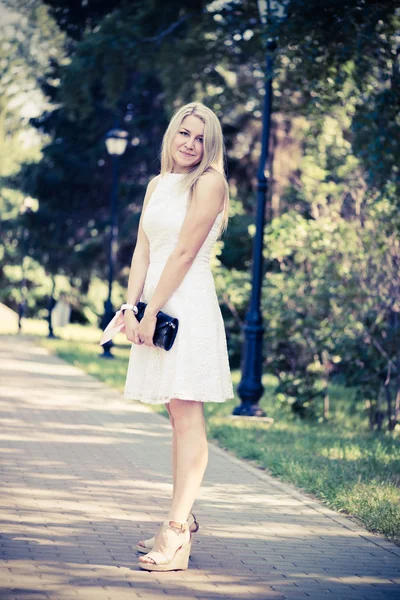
85	474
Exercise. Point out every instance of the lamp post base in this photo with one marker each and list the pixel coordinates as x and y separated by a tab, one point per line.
248	409
52	304
21	314
106	318
107	350
266	420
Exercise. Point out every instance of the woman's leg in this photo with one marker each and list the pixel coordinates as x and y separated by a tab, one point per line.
142	542
173	450
191	462
191	455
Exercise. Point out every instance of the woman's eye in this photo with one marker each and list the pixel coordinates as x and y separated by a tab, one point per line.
186	133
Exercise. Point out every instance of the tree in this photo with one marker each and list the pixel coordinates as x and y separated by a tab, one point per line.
120	83
328	47
27	42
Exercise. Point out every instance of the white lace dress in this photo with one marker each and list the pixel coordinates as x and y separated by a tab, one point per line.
197	365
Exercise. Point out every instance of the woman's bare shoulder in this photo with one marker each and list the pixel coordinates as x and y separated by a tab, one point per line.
151	186
213	177
153	183
211	180
211	187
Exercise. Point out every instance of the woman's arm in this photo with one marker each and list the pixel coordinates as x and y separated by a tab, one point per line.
140	258
202	212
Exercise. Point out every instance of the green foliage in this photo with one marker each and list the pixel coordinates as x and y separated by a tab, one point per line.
331	302
28	41
75	17
301	292
328	48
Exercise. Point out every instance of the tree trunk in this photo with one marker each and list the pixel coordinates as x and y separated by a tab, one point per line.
393	422
371	420
397	403
389	406
325	363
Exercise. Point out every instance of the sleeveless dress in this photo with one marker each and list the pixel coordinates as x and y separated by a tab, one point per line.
197	365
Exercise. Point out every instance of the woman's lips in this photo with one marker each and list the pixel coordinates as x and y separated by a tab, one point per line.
186	154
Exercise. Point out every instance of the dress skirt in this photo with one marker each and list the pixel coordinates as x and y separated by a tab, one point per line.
197	365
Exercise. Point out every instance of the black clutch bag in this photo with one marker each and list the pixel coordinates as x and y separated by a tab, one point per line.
166	327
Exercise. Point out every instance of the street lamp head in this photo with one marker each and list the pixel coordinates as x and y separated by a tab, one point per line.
116	141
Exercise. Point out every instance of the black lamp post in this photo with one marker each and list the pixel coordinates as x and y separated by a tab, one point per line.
116	142
250	388
26	208
51	304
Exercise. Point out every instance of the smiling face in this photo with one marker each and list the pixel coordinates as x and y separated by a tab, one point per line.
187	144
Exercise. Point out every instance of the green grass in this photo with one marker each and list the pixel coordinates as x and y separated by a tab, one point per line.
340	462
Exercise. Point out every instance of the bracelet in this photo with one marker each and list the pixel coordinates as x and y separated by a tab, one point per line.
125	307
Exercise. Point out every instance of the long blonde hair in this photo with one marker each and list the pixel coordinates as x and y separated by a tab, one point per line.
213	151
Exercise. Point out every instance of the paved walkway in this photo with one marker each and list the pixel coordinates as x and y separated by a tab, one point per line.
85	474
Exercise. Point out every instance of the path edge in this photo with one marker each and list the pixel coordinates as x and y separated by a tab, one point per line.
285	487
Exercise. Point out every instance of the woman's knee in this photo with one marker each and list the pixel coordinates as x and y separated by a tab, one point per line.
186	414
171	418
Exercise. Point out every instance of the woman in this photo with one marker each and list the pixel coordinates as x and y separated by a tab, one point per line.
184	211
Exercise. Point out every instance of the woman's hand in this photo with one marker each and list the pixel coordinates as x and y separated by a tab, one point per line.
132	327
147	327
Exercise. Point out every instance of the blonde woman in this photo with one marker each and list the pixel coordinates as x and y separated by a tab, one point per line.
184	212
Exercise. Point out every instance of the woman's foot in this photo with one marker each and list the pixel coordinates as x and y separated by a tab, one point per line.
147	545
171	549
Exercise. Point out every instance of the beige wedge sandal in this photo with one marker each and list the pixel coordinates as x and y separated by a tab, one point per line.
177	560
146	545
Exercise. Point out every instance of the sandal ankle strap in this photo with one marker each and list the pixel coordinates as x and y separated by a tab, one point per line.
178	525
